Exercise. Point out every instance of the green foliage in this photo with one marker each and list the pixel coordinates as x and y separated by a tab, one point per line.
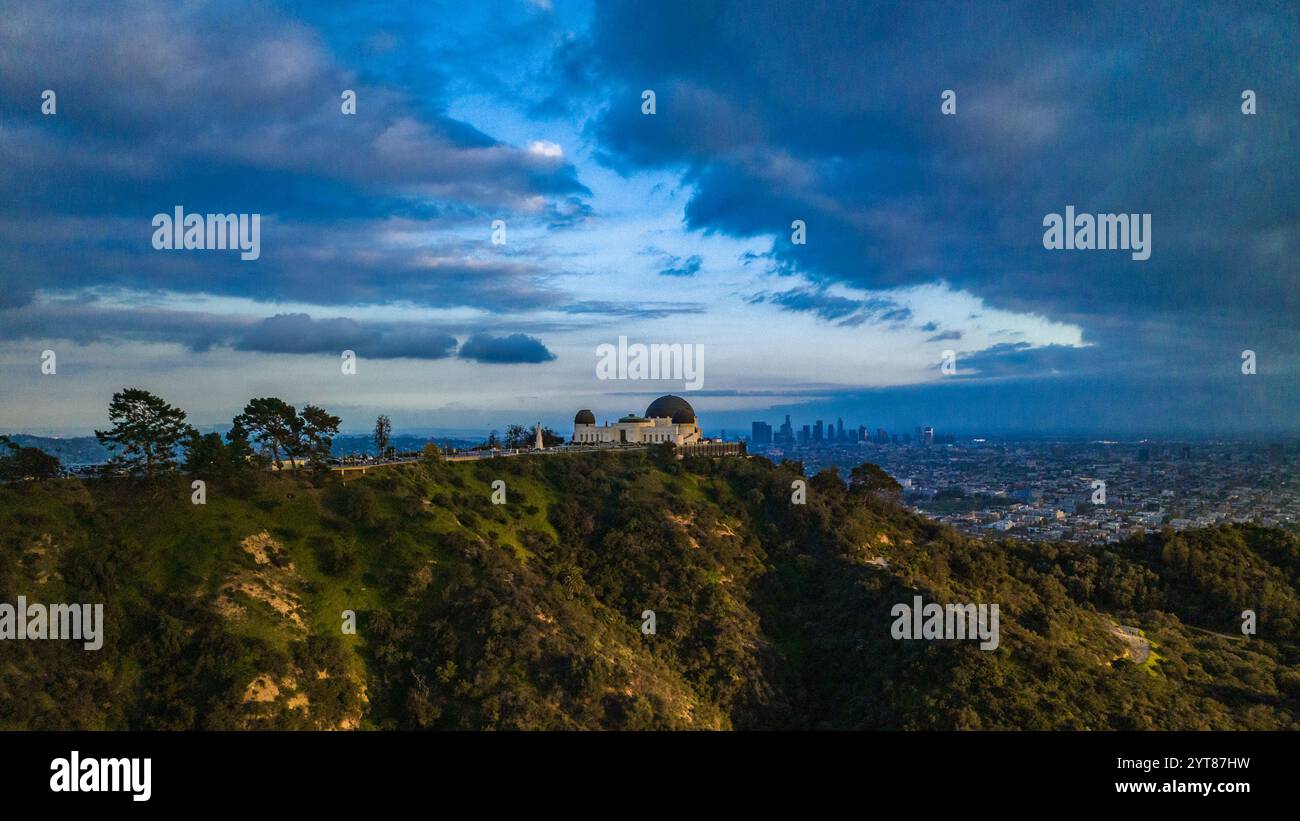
528	615
316	429
145	434
383	432
869	478
271	425
19	463
280	431
209	457
517	436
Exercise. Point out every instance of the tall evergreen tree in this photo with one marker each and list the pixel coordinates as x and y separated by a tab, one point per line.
316	431
146	432
272	424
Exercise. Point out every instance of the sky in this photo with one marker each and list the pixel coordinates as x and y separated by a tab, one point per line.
923	231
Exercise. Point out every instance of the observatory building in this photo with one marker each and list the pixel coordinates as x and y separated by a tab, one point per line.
668	419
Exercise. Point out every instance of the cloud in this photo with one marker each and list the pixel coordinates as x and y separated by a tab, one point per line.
672	265
939	337
85	322
165	106
634	310
688	267
499	350
841	310
1054	108
300	334
548	150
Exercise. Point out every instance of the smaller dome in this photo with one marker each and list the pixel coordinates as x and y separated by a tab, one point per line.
584	417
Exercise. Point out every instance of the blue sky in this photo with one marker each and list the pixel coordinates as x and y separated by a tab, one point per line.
924	231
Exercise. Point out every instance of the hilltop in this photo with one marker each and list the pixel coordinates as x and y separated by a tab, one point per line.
529	614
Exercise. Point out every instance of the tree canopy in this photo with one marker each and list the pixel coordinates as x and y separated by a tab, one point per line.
145	434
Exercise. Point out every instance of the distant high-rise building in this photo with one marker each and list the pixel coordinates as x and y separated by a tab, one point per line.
927	436
760	433
787	432
805	435
819	431
862	433
882	438
839	429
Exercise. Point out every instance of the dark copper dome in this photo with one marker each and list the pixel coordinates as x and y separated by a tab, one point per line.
584	417
672	407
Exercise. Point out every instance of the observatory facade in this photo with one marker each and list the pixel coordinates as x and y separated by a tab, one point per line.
667	419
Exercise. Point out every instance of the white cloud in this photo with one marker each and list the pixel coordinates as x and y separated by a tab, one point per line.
546	149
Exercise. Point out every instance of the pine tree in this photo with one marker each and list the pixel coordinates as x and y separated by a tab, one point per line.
146	431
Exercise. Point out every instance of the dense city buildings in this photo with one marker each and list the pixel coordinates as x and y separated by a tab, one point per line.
1081	491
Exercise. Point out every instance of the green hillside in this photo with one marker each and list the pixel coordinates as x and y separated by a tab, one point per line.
528	615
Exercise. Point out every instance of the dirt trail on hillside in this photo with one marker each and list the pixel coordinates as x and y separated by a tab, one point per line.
1139	648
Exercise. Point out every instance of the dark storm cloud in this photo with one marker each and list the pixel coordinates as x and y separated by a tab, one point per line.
1012	359
221	112
830	113
501	350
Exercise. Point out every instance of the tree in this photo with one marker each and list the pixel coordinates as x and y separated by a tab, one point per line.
278	428
145	433
212	459
26	463
871	479
383	431
550	438
316	430
516	436
271	423
523	436
432	453
205	455
237	448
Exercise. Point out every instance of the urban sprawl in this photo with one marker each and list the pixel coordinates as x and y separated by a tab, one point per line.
1045	490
